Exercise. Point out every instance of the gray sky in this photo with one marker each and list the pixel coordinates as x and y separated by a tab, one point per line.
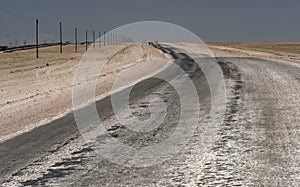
211	20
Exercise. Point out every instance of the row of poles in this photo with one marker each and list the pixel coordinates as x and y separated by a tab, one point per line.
111	39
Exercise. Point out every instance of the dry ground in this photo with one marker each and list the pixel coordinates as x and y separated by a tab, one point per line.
44	86
256	145
35	91
278	50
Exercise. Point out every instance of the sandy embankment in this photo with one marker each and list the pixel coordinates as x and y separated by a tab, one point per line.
34	92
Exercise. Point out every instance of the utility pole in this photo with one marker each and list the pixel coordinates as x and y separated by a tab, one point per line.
94	41
114	39
86	40
104	38
108	38
76	40
60	33
111	39
99	39
37	37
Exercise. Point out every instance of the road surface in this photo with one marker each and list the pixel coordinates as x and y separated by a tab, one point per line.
257	144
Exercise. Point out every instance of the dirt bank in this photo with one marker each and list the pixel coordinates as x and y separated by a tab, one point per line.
34	92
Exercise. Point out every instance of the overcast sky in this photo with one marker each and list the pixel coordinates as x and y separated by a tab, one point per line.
211	20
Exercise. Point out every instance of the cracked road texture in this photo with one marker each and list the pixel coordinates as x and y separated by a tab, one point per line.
258	143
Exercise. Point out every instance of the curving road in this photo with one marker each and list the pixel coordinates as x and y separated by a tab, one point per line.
257	144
